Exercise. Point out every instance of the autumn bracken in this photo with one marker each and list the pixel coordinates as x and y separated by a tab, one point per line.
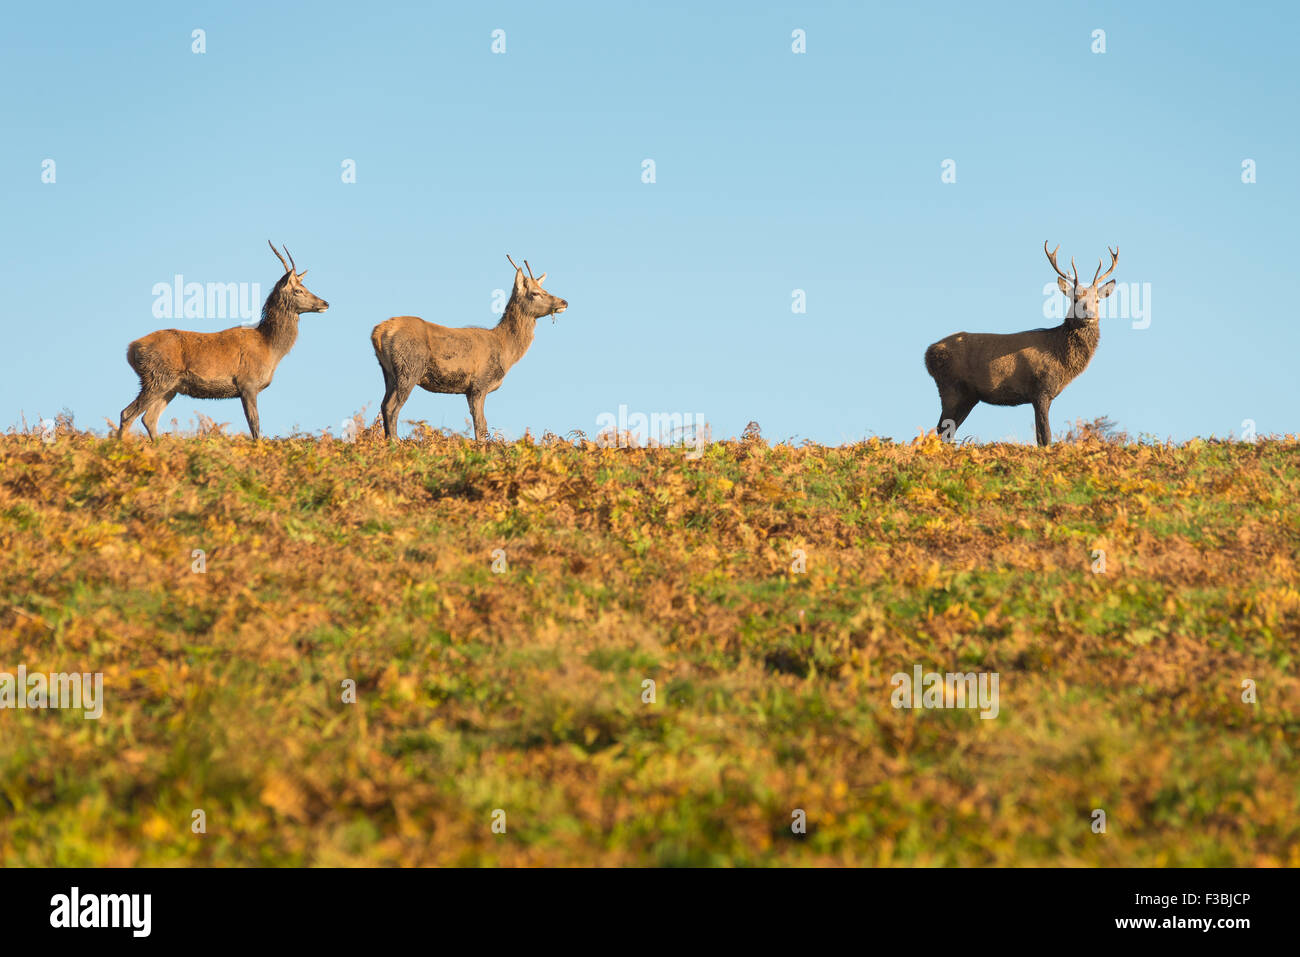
502	607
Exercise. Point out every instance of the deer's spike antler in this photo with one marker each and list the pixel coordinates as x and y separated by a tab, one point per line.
292	265
1114	261
277	255
512	262
530	270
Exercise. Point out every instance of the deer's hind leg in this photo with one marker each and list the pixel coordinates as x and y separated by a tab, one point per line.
389	389
956	407
153	409
398	391
132	412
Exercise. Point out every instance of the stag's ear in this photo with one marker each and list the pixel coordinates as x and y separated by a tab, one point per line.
1063	285
519	280
541	279
1106	290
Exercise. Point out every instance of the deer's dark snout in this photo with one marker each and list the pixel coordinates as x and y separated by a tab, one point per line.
560	306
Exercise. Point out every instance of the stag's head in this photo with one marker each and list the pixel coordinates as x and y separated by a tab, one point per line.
1084	300
531	298
292	293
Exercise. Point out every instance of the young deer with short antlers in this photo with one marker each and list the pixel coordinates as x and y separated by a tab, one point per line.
1021	368
465	361
236	362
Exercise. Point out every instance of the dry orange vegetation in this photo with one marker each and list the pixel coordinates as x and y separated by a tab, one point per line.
521	689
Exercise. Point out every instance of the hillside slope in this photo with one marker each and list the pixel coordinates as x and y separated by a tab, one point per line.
522	689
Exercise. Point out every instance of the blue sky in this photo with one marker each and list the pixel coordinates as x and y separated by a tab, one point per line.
774	172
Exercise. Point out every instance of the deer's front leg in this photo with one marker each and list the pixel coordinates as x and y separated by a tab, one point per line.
475	400
249	398
1042	428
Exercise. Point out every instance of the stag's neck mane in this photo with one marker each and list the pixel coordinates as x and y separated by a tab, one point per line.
279	325
515	330
1078	341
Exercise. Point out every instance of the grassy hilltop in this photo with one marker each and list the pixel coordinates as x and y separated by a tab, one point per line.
521	688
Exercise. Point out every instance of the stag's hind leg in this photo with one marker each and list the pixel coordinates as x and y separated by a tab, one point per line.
398	391
956	406
153	409
390	387
132	412
392	407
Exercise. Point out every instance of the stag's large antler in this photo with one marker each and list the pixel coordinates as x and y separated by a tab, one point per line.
277	255
1051	258
1114	261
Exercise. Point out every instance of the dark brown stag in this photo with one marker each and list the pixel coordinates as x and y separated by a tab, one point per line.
471	362
1020	368
236	362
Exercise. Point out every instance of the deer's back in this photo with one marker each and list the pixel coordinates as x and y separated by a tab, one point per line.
203	354
411	335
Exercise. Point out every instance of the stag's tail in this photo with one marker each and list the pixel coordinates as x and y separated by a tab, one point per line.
936	359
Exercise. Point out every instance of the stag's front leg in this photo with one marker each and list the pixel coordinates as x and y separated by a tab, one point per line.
1042	428
249	398
475	400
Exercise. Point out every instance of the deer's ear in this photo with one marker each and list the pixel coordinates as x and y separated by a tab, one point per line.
1064	286
519	280
1106	290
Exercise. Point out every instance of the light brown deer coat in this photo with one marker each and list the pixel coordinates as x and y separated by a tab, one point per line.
462	361
233	363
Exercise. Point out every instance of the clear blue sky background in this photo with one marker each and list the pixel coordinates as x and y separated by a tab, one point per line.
775	172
